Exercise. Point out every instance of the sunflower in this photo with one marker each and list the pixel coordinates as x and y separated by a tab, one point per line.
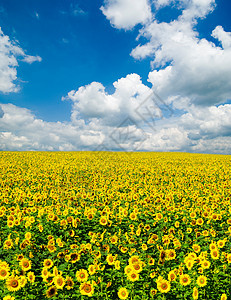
8	244
171	254
13	283
25	264
202	281
196	248
103	221
86	288
137	267
74	257
163	286
205	264
114	239
59	282
51	292
91	269
228	258
189	264
153	292
82	275
123	293
185	279
110	259
195	293
4	272
133	276
223	297
31	277
28	235
221	243
117	265
48	263
8	297
134	259
128	269
69	283
171	276
214	254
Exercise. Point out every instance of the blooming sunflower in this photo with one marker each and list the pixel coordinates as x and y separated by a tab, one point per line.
51	292
205	264
103	221
202	281
92	269
185	279
137	267
171	276
69	283
4	272
86	288
13	283
110	259
163	286
82	275
31	277
195	293
223	297
25	264
214	254
133	276
123	293
59	281
8	297
48	263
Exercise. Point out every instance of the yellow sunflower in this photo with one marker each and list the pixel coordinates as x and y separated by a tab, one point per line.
69	283
223	297
31	277
4	272
163	286
13	283
51	292
87	288
8	297
123	293
133	276
25	264
185	279
59	282
202	281
48	263
195	293
82	275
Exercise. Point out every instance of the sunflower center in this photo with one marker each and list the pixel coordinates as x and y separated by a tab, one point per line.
14	283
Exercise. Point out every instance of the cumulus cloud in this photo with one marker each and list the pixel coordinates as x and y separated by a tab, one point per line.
185	65
10	53
92	101
126	14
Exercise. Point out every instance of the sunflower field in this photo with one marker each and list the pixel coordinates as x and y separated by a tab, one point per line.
115	225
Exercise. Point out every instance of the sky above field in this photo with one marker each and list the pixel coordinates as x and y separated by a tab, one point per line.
126	75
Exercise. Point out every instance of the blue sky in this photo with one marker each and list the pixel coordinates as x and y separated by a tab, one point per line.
81	65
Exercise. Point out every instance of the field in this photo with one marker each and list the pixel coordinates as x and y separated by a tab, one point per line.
106	225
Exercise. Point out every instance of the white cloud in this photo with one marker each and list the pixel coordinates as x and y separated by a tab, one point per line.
92	101
187	65
30	59
223	37
127	13
10	53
